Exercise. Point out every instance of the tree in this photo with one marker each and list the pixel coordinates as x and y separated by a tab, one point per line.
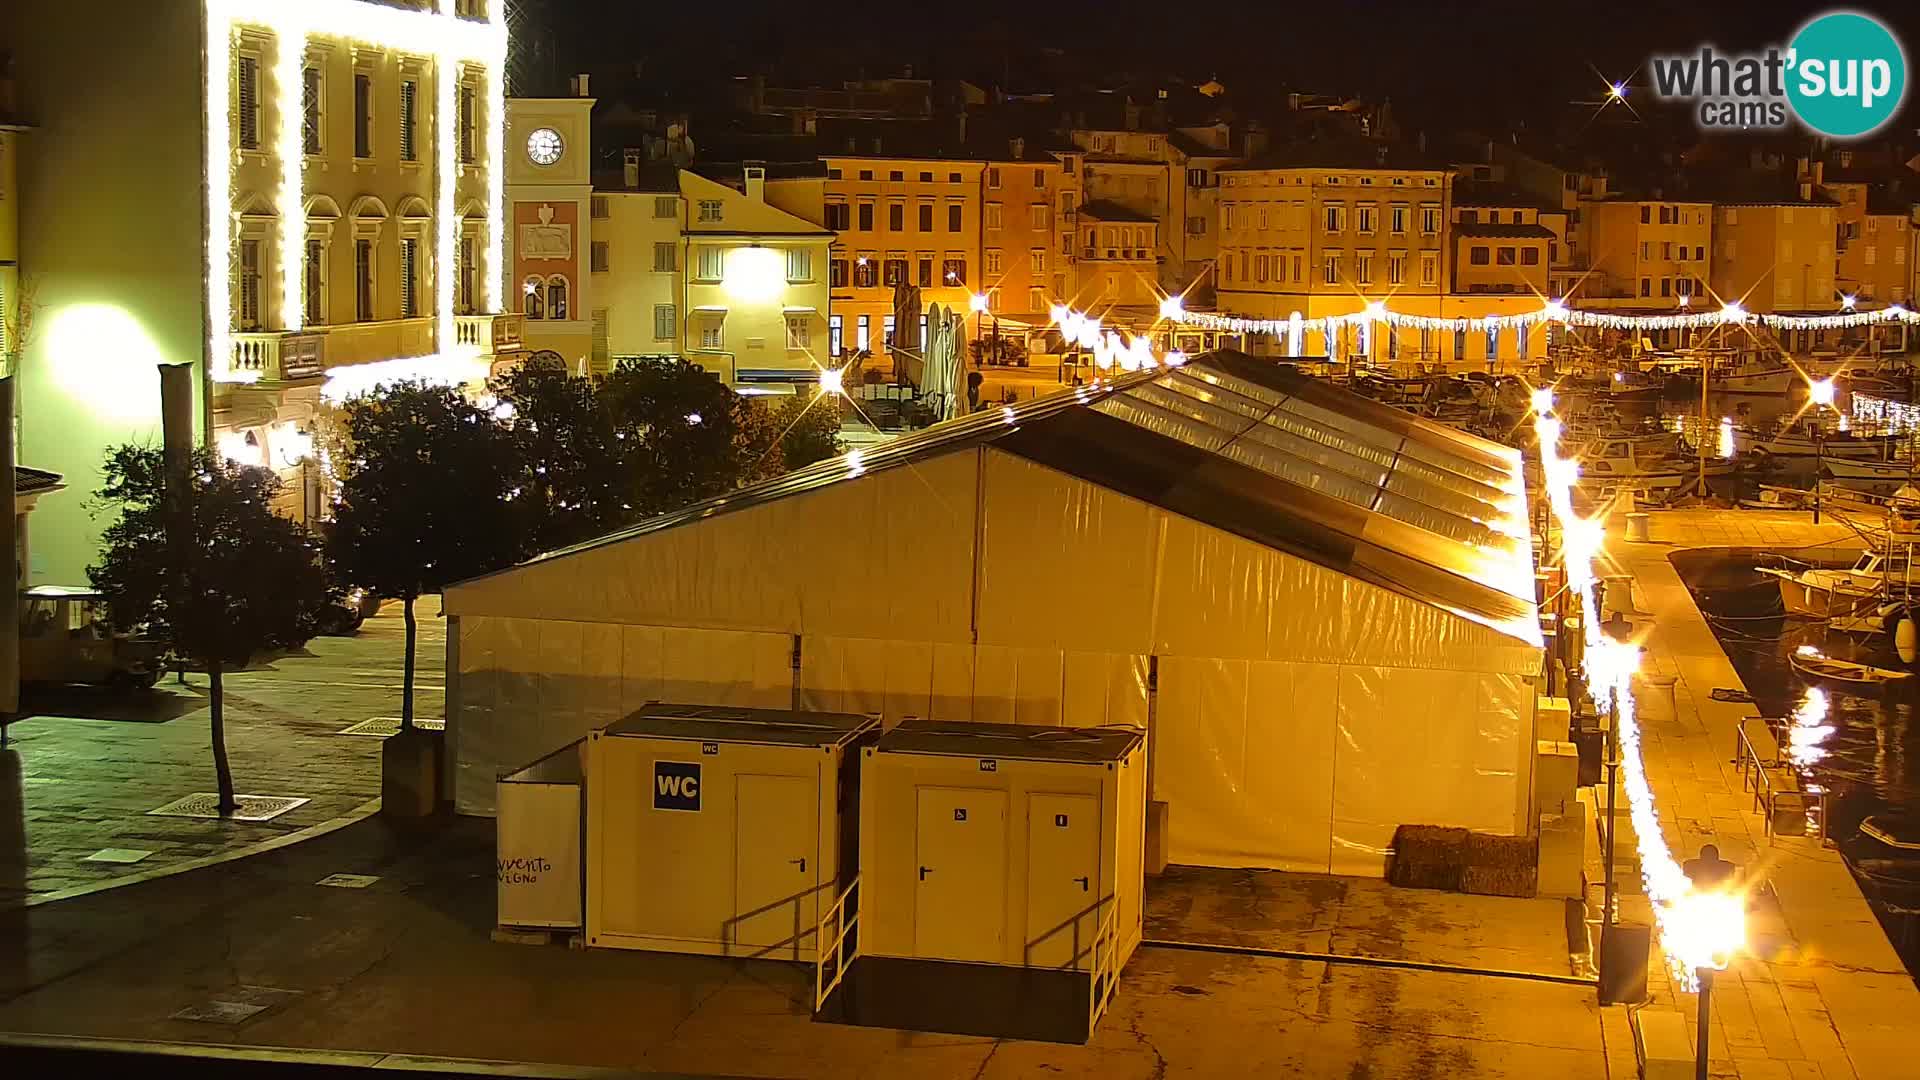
796	433
578	476
681	427
247	581
426	499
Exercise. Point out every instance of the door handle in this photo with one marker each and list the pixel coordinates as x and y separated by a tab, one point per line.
924	871
802	861
1083	883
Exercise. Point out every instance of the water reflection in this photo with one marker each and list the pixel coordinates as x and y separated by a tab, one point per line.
1809	730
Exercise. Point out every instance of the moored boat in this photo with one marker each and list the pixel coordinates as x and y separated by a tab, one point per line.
1811	663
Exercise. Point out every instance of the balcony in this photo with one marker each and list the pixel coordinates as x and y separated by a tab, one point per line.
273	356
489	333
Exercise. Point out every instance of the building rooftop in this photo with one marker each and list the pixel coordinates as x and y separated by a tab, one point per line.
1504	232
1342	153
1024	742
1107	210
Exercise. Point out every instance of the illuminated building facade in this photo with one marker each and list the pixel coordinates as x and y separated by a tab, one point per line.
550	239
300	200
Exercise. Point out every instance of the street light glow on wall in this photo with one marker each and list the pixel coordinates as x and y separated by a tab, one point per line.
754	274
449	39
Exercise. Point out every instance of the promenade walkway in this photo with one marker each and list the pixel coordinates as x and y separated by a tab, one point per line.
1822	993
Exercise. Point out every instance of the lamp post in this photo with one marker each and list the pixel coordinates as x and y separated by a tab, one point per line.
1613	795
1820	393
988	354
1703	1032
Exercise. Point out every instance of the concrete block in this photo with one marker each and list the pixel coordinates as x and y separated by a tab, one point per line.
410	773
1556	773
1660	1041
1552	719
1563	852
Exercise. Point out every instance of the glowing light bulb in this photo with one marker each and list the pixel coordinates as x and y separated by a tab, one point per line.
1732	312
1820	391
1058	314
1848	301
1171	308
1617	92
1376	310
1543	400
977	302
832	381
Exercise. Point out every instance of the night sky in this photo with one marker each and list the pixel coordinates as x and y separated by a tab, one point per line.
1442	64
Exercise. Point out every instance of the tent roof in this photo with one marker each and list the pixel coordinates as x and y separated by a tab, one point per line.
1259	450
1012	741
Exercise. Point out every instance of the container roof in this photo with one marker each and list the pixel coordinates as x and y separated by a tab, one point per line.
722	723
1260	450
1024	742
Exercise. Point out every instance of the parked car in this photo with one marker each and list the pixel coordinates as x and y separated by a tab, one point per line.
64	638
342	617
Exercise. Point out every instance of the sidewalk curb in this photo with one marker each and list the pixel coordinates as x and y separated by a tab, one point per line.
359	813
290	1057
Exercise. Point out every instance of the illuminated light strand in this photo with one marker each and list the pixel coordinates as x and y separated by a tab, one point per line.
446	130
1698	929
1108	348
448	38
1555	312
438	369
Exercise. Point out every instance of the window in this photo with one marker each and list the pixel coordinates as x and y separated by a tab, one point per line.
710	211
953	216
249	284
1666	286
1331	268
1429	220
953	271
597	257
600	210
1260	269
363	280
837	273
1196	226
799	264
1363	267
866	217
1336	218
866	174
557	297
1039	181
713	263
1366	215
993	177
1297	275
895	271
886	331
1429	268
926	217
993	215
1397	219
1037	263
713	335
409	278
1479	256
1646	215
926	178
466	273
953	178
924	272
993	261
896	176
1505	257
665	206
246	97
837	216
1037	217
314	274
1493	342
835	325
1700	253
866	273
362	115
1646	286
665	324
1396	267
310	110
409	100
799	331
1469	217
896	216
1520	336
663	260
1197	178
1459	344
1066	165
469	124
1646	249
1530	256
1036	300
1668	215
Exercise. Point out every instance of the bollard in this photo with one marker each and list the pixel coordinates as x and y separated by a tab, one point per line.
1637	528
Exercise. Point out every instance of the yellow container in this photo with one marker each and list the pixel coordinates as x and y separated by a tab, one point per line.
1001	844
718	830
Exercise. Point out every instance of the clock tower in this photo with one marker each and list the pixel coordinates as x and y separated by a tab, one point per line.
549	191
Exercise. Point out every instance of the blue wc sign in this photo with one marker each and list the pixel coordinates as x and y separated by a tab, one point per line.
676	785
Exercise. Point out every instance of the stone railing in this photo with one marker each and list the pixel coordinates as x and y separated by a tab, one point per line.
489	333
272	356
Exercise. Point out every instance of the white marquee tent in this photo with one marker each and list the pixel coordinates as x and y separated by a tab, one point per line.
1321	608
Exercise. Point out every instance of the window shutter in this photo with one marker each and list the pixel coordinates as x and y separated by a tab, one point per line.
409	93
248	96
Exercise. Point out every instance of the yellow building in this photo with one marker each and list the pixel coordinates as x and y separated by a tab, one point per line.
728	270
1873	235
550	236
1499	243
899	220
1643	253
1025	268
1117	264
296	212
1776	254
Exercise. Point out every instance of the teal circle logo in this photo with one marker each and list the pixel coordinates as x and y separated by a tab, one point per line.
1847	74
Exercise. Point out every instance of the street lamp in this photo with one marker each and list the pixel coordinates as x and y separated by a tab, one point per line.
978	302
1820	394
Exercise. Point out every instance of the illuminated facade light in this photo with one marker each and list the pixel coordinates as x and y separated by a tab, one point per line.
1820	391
1171	308
832	381
1552	312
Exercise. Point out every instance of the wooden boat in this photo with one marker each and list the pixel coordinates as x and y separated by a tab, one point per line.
1883	472
1894	833
1811	663
1757	380
1823	593
1802	444
1653	462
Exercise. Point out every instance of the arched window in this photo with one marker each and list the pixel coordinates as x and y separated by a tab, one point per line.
533	299
556	297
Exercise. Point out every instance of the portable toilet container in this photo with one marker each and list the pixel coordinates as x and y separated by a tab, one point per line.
719	830
1001	880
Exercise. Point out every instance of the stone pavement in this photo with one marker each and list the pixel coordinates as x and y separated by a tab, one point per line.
1822	994
85	766
405	965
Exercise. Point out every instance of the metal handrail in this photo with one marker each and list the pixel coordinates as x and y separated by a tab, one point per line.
1754	777
1103	978
834	946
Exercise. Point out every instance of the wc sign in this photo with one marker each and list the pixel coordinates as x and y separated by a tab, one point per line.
676	785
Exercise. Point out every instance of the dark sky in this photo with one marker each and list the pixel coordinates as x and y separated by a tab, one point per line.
1477	63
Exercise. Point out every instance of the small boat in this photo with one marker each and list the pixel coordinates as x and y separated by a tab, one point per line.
1823	593
1896	472
1654	462
1803	444
1758	380
1811	663
1896	833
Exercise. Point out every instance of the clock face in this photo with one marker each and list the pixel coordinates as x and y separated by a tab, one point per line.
544	146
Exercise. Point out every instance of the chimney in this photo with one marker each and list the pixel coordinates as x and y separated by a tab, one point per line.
1017	147
1819	173
876	145
580	83
960	125
630	169
1133	116
755	173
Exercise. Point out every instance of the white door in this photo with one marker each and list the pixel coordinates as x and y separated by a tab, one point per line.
960	897
1064	902
775	865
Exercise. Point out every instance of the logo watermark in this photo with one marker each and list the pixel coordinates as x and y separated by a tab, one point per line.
1844	75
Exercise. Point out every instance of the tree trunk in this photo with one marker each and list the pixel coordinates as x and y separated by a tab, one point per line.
406	682
222	772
